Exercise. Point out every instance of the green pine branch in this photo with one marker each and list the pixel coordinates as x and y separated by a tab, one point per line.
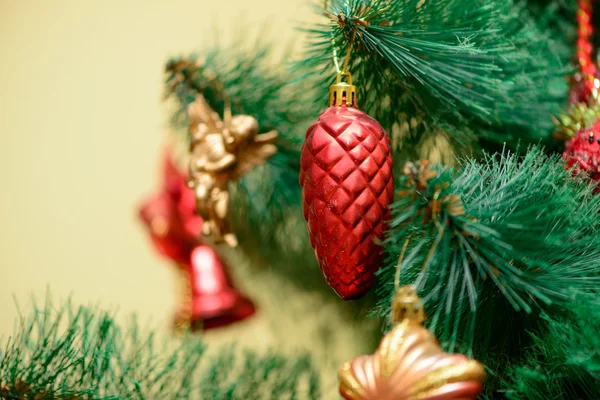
564	361
67	352
266	203
490	246
477	73
558	17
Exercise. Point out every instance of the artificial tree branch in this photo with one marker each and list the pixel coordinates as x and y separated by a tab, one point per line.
491	245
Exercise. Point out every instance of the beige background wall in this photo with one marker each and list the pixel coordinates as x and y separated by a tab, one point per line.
81	127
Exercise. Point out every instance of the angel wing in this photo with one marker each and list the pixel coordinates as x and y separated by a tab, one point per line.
268	137
255	154
200	112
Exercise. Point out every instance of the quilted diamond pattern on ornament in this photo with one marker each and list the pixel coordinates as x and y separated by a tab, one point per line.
347	182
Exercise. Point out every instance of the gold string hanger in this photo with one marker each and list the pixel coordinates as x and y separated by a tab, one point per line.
343	92
344	68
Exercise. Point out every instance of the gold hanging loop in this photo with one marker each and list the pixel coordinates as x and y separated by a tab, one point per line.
343	92
349	53
407	305
399	264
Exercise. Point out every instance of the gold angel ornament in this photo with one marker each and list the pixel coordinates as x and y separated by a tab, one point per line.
222	151
409	363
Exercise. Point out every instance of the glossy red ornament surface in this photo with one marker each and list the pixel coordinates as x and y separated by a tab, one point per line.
170	216
165	230
215	301
585	29
347	185
582	152
585	49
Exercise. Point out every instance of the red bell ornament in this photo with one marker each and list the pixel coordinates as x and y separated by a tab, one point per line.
209	298
347	186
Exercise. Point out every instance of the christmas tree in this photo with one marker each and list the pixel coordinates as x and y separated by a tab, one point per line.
432	163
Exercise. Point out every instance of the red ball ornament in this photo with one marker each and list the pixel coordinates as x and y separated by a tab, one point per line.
582	125
582	152
347	186
580	90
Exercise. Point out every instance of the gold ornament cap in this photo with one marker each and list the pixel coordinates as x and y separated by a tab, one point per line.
343	92
407	305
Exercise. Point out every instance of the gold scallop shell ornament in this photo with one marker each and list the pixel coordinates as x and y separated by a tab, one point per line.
409	363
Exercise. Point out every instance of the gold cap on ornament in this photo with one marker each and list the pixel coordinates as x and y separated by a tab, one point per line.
407	305
343	93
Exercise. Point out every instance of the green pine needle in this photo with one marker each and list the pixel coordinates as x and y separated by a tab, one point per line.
558	17
527	238
470	70
67	352
564	362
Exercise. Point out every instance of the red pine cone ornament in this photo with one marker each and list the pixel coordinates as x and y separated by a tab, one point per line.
347	186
